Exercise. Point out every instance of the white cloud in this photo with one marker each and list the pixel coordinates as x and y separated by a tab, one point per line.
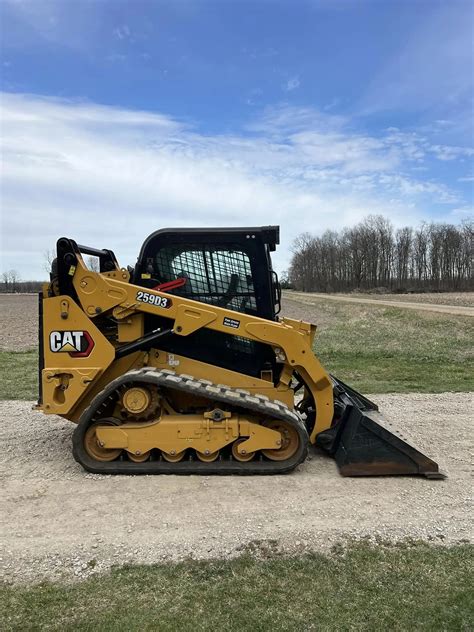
411	188
282	119
292	84
449	152
462	213
109	176
122	32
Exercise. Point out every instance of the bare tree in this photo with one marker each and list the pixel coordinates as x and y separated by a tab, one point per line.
403	248
370	255
14	279
93	264
301	270
48	256
5	281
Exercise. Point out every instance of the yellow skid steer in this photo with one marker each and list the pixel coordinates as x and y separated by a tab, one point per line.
183	365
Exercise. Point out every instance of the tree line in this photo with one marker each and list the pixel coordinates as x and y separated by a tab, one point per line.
10	282
372	254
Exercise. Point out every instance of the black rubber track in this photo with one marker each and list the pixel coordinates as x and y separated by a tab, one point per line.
238	399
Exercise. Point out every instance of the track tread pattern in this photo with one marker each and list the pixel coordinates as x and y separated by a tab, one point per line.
219	393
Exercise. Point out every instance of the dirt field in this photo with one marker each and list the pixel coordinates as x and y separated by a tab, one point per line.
19	318
420	302
19	312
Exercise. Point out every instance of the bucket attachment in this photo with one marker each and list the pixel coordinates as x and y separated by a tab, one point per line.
365	444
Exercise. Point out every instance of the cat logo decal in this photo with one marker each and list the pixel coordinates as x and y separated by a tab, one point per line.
78	344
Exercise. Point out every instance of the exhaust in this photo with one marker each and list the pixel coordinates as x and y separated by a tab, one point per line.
365	444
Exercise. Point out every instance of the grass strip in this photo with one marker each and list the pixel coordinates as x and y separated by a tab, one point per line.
374	349
366	587
392	350
19	374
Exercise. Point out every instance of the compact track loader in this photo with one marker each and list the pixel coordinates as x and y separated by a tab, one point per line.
182	365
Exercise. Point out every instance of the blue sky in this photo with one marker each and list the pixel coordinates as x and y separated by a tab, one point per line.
119	118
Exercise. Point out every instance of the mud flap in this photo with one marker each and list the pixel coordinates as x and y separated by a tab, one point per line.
365	444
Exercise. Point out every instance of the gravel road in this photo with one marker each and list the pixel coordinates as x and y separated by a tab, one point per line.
312	298
59	522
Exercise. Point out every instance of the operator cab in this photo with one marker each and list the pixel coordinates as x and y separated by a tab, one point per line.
226	267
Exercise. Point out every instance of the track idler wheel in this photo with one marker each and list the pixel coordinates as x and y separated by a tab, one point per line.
173	458
139	458
207	458
92	444
243	458
289	441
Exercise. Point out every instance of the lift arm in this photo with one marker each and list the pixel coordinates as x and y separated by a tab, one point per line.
111	292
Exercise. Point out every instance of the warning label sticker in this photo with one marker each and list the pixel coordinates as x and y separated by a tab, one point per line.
231	322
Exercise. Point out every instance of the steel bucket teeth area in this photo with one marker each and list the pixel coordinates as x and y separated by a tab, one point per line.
364	443
369	446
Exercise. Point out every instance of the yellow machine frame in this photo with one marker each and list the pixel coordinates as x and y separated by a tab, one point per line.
69	387
141	409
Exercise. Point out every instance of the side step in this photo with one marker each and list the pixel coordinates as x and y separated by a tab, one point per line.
365	444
